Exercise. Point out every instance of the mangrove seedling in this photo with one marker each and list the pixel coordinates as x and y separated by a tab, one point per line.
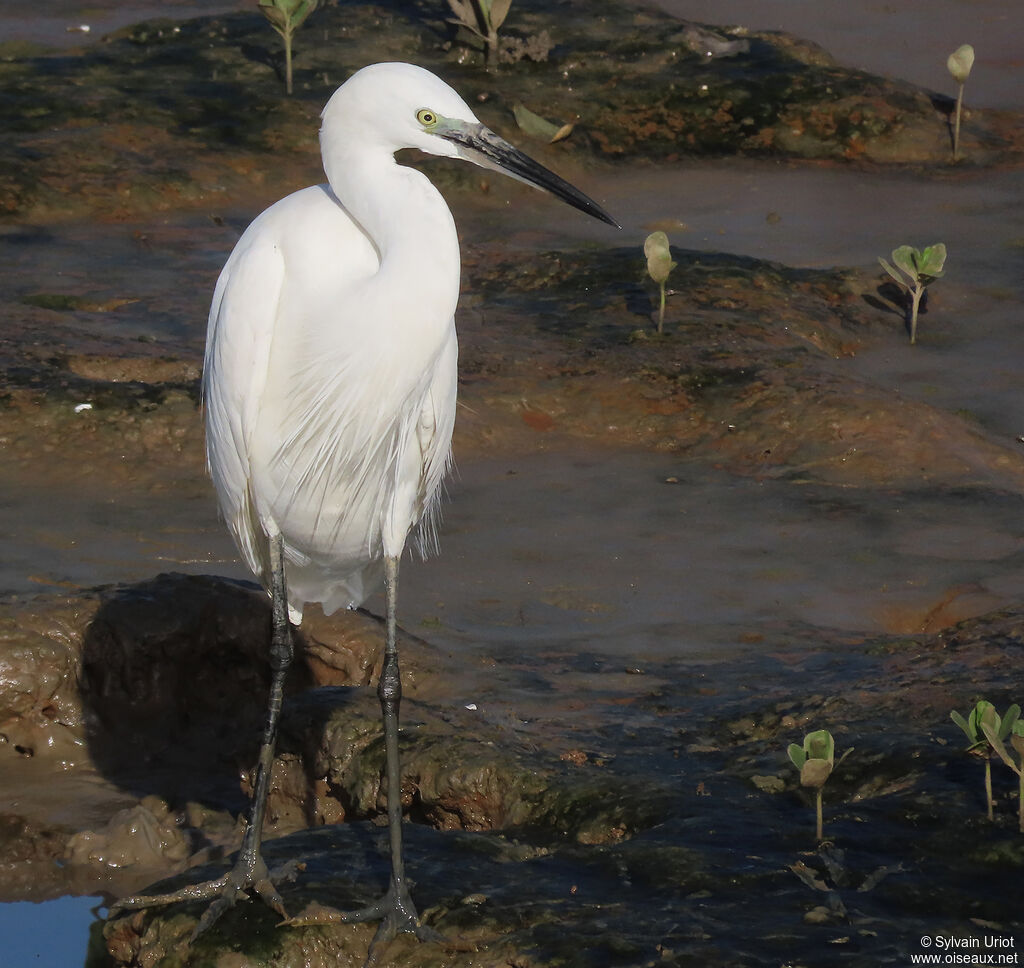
959	64
979	727
659	265
922	268
538	127
286	16
1016	737
483	18
816	760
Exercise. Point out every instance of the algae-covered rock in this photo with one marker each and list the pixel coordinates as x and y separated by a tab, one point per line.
166	115
331	765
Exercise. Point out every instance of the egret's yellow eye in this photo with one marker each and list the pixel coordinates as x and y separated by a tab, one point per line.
426	117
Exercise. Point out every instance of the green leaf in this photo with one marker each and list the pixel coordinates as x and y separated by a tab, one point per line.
287	15
466	15
966	725
1017	738
820	746
659	256
997	744
907	258
987	716
797	755
932	260
893	272
498	12
1009	720
982	710
460	8
278	19
305	8
960	63
533	124
815	772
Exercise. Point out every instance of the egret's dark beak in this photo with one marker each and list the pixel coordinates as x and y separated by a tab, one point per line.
483	147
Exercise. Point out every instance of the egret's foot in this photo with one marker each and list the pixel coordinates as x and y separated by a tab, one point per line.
222	892
395	911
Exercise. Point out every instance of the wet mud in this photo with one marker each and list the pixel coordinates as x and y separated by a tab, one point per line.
630	820
169	115
667	557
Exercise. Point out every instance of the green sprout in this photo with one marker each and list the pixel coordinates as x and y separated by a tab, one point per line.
483	18
981	727
286	16
1016	735
659	265
816	760
923	268
959	65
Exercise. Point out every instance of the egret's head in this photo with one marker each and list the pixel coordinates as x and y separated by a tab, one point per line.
393	106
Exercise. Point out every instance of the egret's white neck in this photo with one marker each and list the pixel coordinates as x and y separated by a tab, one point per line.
406	219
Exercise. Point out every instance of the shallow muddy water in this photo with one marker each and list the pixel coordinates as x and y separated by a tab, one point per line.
697	564
67	23
892	39
626	556
685	559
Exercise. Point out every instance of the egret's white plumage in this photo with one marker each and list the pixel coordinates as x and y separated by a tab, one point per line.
330	375
329	390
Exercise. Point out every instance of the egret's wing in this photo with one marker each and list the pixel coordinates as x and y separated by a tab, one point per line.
238	343
434	432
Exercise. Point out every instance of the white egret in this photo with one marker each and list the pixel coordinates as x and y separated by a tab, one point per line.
329	389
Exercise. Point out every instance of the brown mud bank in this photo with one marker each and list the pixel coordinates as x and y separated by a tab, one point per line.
568	805
169	116
751	377
631	824
594	739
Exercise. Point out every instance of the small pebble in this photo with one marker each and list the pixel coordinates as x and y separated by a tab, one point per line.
818	915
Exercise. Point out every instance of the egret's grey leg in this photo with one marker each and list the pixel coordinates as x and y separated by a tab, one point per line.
250	871
399	911
395	910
